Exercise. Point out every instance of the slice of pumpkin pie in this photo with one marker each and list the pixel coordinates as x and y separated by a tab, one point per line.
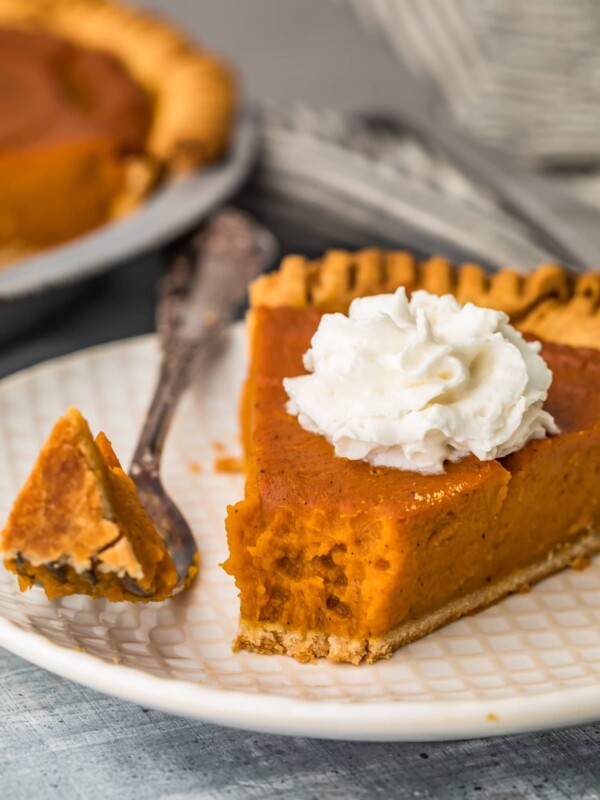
410	458
78	527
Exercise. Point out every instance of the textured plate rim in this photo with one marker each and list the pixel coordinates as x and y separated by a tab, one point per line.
270	713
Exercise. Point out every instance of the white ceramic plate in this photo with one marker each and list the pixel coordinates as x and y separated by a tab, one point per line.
532	661
168	212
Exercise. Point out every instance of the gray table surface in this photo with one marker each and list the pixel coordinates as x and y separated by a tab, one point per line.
60	740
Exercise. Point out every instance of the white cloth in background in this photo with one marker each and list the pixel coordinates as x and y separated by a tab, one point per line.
521	75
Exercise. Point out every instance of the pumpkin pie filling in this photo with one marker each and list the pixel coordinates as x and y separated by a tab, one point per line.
94	111
336	558
68	116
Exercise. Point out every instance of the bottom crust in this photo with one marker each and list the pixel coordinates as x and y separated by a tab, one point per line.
274	639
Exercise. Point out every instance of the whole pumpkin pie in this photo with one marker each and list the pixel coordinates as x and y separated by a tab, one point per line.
78	527
340	559
98	103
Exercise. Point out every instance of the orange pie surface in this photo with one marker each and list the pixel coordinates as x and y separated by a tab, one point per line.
94	111
335	558
67	117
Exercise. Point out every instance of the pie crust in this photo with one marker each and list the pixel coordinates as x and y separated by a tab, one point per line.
77	526
551	302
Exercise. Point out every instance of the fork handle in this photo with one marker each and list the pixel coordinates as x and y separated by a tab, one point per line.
204	285
176	372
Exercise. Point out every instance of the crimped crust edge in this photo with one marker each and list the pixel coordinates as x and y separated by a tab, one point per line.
551	302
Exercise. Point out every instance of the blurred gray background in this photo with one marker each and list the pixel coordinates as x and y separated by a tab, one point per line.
321	53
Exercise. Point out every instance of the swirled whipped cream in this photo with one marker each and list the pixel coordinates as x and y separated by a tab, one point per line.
412	384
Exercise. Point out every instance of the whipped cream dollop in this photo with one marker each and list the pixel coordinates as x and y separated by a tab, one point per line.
412	384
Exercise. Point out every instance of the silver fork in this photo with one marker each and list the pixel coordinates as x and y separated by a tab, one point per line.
202	290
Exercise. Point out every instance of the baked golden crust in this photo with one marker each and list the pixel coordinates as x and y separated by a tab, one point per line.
193	91
550	302
69	478
77	525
